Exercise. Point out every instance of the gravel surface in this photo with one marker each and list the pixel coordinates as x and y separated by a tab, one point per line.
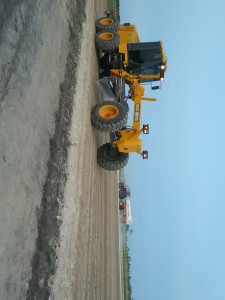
58	208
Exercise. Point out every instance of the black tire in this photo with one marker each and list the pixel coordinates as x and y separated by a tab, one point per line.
106	23
122	194
107	40
111	160
125	104
108	116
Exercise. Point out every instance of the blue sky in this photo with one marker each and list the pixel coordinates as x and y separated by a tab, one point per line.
178	195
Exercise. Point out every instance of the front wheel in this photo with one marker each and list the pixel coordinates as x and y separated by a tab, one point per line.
108	116
110	158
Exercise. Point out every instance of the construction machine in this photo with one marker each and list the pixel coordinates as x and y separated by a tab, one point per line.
124	60
124	190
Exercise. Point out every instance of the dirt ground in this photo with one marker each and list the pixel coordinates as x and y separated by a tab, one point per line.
59	228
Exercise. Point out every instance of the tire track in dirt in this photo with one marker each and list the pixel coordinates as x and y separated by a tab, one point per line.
90	266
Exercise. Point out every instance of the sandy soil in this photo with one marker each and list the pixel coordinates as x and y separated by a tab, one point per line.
58	209
88	265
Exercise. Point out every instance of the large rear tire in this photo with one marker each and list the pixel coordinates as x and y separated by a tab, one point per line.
109	116
126	105
107	40
106	23
111	159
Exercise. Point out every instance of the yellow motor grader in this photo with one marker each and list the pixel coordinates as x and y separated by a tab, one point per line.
124	60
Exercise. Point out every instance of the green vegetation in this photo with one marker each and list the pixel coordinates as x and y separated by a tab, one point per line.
126	264
126	231
49	252
114	5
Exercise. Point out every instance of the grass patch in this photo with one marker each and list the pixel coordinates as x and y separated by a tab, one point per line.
49	253
114	5
126	265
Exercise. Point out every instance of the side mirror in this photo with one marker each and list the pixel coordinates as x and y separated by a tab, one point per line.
145	154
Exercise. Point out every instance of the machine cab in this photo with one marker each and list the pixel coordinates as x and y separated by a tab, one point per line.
147	60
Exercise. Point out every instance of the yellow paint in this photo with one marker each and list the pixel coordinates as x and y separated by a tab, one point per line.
128	34
129	140
108	111
106	21
106	36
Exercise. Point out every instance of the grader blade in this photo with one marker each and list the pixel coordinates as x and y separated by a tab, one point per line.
105	89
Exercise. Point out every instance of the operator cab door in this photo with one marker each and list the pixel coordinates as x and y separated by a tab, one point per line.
145	59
